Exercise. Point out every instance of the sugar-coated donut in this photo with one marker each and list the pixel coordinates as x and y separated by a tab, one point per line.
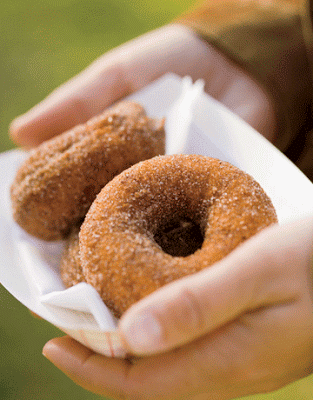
121	238
70	266
181	239
55	186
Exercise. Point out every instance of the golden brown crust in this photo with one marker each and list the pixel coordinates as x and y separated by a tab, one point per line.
54	188
119	253
70	266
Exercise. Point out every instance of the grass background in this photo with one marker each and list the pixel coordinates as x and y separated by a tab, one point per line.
42	44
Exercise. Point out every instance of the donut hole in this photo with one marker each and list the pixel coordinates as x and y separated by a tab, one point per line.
180	237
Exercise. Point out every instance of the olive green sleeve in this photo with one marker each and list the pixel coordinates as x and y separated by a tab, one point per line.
268	38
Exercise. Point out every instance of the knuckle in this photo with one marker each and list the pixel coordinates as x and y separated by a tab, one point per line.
191	314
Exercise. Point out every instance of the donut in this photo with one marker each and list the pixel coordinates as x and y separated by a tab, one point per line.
179	240
70	266
121	241
56	185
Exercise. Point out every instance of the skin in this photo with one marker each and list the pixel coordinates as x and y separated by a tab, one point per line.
250	319
132	66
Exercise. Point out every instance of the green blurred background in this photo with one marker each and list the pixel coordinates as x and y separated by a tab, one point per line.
42	44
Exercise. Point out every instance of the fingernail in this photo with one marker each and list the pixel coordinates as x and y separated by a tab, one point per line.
49	350
143	333
15	125
19	121
17	131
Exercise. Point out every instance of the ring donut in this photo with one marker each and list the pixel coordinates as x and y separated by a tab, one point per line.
121	238
55	186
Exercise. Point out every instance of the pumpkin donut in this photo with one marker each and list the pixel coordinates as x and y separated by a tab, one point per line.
55	186
121	238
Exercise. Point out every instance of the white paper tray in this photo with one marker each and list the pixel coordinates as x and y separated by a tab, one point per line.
29	267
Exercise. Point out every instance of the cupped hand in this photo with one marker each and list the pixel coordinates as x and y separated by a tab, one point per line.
129	67
242	326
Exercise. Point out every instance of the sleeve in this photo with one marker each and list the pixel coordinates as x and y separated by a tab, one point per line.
270	40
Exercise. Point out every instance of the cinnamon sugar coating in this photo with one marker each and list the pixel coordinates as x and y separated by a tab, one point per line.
120	253
70	266
56	185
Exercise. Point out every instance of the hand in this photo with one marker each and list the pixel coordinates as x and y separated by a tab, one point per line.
129	67
242	326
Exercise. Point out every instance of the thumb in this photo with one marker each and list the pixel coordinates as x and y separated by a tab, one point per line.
249	278
190	307
186	309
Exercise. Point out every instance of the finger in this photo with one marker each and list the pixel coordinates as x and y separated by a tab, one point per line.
249	278
196	371
102	375
133	65
224	79
249	100
119	72
73	103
